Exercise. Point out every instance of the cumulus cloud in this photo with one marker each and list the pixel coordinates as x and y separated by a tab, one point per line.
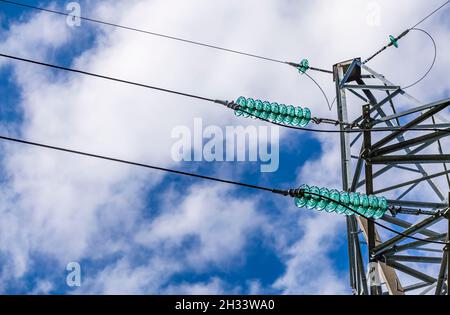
309	270
212	287
218	222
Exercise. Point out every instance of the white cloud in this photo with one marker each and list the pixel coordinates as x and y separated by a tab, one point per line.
212	287
309	267
122	277
43	287
208	214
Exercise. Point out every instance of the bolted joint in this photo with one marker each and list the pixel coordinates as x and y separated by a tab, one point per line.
234	106
366	155
378	258
228	104
296	193
394	210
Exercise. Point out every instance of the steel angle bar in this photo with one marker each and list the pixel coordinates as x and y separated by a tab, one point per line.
431	287
371	87
442	105
394	111
356	139
416	286
351	255
357	174
387	168
415	259
359	135
400	138
407	191
419	167
410	182
387	82
413	229
423	126
405	224
375	286
360	285
408	112
376	105
357	275
418	204
406	168
442	118
431	137
359	95
441	277
413	159
414	211
430	250
415	245
412	272
348	73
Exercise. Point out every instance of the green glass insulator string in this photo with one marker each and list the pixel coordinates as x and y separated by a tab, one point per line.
274	112
320	199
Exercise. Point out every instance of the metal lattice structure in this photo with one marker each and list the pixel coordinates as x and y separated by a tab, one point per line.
407	165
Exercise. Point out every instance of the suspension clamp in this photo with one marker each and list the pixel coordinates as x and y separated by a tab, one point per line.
303	66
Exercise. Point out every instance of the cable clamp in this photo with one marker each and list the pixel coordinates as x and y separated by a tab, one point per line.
318	121
228	104
296	193
394	211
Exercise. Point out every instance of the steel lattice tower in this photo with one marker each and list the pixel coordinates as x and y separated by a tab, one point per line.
378	162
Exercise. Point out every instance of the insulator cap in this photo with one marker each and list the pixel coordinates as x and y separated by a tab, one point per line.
393	41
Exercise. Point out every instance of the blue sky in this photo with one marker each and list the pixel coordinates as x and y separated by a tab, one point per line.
137	231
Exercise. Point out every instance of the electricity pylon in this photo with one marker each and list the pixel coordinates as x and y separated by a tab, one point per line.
407	165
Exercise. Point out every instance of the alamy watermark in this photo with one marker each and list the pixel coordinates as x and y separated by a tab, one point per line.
73	278
373	17
74	16
229	144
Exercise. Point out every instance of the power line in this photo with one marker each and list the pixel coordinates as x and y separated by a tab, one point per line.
225	103
320	88
281	192
296	65
432	63
290	192
158	34
112	159
221	102
404	33
359	130
107	77
429	15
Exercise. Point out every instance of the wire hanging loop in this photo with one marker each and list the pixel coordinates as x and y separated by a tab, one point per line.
432	63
